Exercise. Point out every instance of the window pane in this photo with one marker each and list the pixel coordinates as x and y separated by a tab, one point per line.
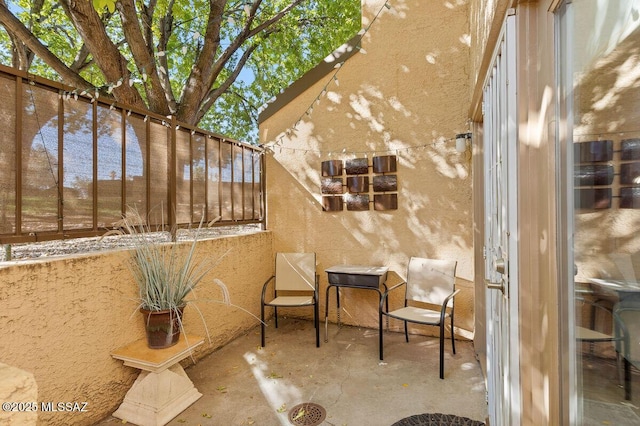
600	59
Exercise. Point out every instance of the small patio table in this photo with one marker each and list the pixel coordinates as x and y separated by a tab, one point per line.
353	276
162	390
619	289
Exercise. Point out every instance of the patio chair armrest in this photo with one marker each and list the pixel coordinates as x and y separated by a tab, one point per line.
384	295
443	310
449	297
265	285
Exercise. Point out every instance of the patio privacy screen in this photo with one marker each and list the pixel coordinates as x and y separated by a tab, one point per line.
72	164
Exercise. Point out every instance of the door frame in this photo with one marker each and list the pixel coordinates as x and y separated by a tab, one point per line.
503	381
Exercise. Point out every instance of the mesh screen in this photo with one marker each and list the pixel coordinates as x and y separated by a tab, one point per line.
109	162
248	184
225	178
238	197
40	193
7	156
135	157
198	144
78	163
101	159
183	177
213	176
158	166
257	188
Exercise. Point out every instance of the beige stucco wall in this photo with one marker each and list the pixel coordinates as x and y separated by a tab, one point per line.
405	96
61	319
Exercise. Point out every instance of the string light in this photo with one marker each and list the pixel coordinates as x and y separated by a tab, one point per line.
334	78
356	153
142	78
279	142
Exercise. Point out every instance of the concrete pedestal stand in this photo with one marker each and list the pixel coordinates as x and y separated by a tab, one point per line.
162	390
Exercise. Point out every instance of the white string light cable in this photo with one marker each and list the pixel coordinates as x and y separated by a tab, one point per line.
333	79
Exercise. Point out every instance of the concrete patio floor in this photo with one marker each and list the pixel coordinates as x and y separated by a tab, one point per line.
243	384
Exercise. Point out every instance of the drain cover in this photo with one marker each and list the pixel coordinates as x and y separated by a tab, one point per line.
307	414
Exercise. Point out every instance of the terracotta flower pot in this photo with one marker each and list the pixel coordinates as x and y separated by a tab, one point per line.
163	327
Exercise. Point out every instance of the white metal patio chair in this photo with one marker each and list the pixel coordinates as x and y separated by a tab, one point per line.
295	284
429	282
626	315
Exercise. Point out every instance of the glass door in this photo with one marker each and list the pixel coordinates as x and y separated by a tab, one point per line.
599	130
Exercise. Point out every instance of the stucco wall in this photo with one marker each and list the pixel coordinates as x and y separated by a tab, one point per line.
405	96
61	319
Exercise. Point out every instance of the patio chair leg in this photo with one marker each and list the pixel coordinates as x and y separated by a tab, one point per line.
262	325
316	323
381	334
442	350
453	340
627	379
406	331
275	314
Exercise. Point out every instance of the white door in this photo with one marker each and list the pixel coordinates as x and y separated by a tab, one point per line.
500	248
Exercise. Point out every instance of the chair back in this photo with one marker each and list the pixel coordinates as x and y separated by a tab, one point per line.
431	280
296	271
627	312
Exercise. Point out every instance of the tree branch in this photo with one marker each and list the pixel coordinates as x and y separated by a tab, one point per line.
245	35
81	59
105	54
214	94
157	90
166	29
15	27
196	85
206	71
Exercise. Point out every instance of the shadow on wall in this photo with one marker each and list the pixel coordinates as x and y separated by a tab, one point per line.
402	98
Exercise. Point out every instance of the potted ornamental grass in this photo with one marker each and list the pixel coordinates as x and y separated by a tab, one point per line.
167	273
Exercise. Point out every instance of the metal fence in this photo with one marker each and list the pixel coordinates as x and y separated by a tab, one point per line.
72	164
